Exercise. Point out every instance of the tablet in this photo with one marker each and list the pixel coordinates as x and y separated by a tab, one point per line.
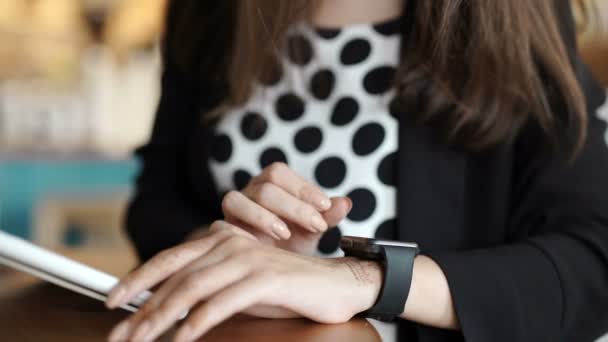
59	270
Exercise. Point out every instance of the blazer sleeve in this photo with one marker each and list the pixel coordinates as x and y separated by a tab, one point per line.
166	207
163	210
550	282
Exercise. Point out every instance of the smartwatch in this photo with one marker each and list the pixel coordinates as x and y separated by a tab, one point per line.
397	259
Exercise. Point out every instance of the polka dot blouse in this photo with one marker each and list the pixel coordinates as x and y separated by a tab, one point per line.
327	117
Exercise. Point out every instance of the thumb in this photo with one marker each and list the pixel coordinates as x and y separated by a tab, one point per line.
340	207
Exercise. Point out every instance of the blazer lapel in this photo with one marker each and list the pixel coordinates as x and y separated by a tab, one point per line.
430	189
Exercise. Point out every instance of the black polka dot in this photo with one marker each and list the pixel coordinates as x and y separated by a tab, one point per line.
289	107
299	50
344	111
386	230
330	172
379	80
355	51
364	204
389	28
368	138
253	126
308	139
386	169
322	83
272	155
327	33
240	179
222	148
330	241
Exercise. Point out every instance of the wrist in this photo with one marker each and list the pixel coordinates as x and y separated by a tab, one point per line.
365	282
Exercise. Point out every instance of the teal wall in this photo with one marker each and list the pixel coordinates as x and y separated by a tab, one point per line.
22	183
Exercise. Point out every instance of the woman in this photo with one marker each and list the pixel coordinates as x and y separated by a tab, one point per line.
469	128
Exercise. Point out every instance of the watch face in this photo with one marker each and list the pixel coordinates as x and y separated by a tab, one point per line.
395	243
355	242
373	246
360	247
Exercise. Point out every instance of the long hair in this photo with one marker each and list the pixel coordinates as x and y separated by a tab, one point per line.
477	71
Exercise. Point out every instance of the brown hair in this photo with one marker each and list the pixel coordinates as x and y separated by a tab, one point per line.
478	71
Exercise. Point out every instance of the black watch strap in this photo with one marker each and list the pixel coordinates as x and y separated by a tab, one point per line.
398	270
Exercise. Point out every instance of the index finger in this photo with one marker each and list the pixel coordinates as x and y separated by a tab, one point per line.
159	268
283	176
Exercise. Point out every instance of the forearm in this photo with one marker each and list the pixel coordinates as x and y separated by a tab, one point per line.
429	301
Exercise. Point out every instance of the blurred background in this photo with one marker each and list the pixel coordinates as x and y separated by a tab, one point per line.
78	89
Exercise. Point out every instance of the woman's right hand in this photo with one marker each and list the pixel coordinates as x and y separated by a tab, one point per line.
281	208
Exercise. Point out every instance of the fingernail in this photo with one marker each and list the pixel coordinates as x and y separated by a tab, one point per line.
115	296
275	236
121	332
324	204
141	332
319	224
280	229
350	204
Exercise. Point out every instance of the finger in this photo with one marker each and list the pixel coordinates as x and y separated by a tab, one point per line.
224	304
255	233
196	287
218	254
232	228
269	311
284	177
236	205
340	207
160	268
288	207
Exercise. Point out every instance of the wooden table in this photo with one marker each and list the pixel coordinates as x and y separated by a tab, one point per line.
31	310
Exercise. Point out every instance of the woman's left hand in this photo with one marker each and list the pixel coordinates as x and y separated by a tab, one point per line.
228	271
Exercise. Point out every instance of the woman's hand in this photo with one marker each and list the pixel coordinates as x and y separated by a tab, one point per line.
228	271
282	209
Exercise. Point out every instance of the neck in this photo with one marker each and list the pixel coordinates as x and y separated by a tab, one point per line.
336	13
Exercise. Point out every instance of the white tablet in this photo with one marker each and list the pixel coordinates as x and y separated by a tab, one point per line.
59	270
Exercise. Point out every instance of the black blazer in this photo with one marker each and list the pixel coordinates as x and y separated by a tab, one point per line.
521	236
